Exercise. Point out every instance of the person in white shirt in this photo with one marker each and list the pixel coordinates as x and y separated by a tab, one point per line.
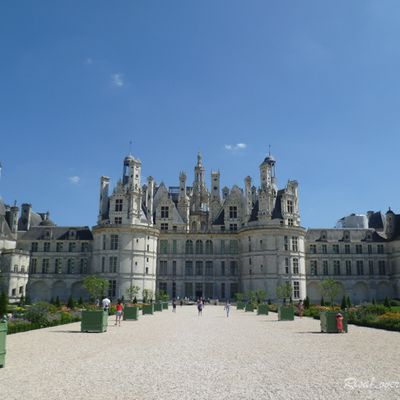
106	303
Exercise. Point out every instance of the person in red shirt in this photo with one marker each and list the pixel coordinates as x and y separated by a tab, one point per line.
119	312
339	322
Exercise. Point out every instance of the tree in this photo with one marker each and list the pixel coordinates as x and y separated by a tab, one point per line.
132	292
95	286
57	302
322	301
284	291
80	301
306	302
70	303
22	300
261	296
3	303
374	301
386	302
269	302
147	295
252	297
239	297
330	289
344	303
348	302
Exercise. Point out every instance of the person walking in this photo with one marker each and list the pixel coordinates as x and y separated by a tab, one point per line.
300	307
339	322
174	306
106	303
227	308
118	313
199	308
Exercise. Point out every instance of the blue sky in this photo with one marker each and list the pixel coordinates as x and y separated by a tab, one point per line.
318	81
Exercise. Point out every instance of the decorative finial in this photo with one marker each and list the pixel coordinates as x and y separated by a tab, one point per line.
269	150
130	147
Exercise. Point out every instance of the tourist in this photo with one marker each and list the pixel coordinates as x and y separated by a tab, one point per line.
118	314
227	308
181	302
97	303
339	322
199	308
106	303
300	308
173	305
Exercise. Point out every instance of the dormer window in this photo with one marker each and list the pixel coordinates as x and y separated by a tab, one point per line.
164	212
118	204
346	236
290	206
323	235
233	212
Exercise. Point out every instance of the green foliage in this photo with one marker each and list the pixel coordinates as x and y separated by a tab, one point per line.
284	291
343	305
51	300
330	288
57	302
132	292
261	296
80	301
22	300
95	286
348	302
147	295
374	301
322	301
70	303
394	303
239	297
27	300
3	303
306	302
40	313
252	297
269	302
386	302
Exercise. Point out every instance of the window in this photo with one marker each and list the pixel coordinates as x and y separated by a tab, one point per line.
360	267
113	264
325	268
347	248
164	227
313	267
34	247
223	268
118	220
233	267
234	288
103	264
348	267
189	247
382	267
233	247
358	249
112	288
46	246
209	247
296	266
222	246
286	265
164	212
163	267
336	267
147	270
16	268
189	268
162	287
174	267
233	227
295	246
33	266
118	204
188	289
369	247
199	247
83	268
58	266
21	290
249	261
290	206
222	290
45	266
371	267
174	228
114	242
335	248
59	247
84	247
313	248
173	290
163	246
71	247
296	290
324	248
174	247
13	292
199	268
290	221
104	242
209	268
380	248
70	266
233	212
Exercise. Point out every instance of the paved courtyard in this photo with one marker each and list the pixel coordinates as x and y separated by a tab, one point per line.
183	356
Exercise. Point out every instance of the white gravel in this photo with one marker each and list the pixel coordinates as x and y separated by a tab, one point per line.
183	356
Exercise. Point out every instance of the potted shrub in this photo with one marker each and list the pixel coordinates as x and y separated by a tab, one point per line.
252	301
285	311
239	301
148	306
131	311
93	319
330	289
158	304
164	299
262	308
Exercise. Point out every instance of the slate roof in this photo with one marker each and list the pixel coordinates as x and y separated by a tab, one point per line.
58	233
375	221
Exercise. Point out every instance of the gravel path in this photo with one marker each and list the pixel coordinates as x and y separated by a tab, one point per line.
183	356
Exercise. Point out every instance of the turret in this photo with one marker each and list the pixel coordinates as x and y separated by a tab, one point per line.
149	198
103	207
183	200
26	212
390	224
248	198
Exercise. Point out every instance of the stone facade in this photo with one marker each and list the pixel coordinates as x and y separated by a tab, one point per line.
191	241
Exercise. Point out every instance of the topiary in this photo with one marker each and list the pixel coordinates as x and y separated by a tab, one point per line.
348	302
70	303
386	302
344	303
322	301
57	302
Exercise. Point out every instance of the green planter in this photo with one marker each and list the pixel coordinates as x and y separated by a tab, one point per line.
262	309
131	313
165	305
328	321
285	313
158	307
148	309
240	305
249	308
3	334
94	321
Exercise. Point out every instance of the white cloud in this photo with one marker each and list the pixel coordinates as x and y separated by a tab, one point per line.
74	180
235	147
89	61
117	80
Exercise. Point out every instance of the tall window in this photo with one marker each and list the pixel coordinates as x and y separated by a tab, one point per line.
222	246
34	247
84	247
290	206
164	212
174	246
199	247
113	264
33	266
380	248
313	248
335	248
58	266
233	247
103	264
209	247
382	267
358	248
163	267
162	287
325	269
59	247
174	267
118	204
369	247
348	267
188	289
360	267
233	267
295	265
112	288
70	266
336	267
163	246
189	247
286	265
371	267
313	267
188	268
104	242
46	246
222	268
286	243
199	268
295	244
83	266
71	247
347	248
233	212
209	268
45	266
114	242
222	290
296	290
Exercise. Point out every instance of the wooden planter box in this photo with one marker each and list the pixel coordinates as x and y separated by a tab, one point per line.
286	313
158	307
94	321
328	321
165	305
3	334
240	305
262	309
249	308
131	313
148	309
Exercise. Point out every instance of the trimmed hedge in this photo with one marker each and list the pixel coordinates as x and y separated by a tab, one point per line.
24	326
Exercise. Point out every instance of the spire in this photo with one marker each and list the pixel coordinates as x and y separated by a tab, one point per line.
199	159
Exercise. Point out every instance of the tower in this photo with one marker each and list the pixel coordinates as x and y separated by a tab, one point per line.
200	193
149	198
268	191
183	200
248	198
215	200
103	207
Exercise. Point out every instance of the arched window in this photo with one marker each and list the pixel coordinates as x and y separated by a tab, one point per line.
189	247
209	247
199	247
194	226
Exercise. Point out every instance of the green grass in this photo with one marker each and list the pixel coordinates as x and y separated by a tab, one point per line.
395	309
